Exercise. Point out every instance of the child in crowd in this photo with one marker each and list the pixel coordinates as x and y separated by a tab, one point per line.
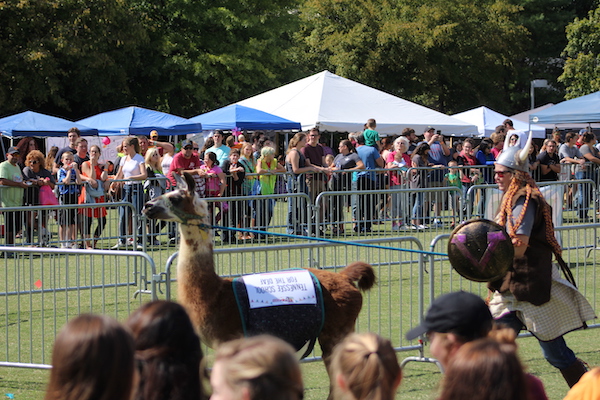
452	178
371	135
365	367
329	160
69	176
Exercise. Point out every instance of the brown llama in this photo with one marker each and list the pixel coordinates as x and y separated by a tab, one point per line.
210	299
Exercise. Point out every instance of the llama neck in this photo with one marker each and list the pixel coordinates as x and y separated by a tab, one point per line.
196	251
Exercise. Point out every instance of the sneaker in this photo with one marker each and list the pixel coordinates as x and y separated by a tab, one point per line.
395	227
139	246
414	227
73	245
437	223
172	241
119	245
423	227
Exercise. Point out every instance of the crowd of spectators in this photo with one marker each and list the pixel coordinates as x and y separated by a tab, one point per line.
232	166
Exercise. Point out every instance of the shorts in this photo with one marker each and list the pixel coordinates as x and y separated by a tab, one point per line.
69	216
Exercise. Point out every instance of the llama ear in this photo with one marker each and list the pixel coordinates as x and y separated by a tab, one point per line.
180	182
191	183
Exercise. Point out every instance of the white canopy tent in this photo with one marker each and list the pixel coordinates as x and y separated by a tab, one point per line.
337	104
487	119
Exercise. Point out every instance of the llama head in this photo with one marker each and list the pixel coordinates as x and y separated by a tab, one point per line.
181	205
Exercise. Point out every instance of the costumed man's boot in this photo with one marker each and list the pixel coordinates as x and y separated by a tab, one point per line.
573	372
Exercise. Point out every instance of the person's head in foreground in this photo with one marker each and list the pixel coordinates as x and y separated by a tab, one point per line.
485	369
364	366
452	320
168	352
256	368
92	359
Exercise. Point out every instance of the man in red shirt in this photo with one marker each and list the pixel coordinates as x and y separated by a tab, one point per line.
185	160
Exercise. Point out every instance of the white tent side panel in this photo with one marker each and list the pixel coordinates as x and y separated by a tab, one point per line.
334	103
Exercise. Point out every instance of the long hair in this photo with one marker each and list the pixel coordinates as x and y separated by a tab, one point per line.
148	159
24	147
485	369
92	359
265	365
133	141
522	180
420	150
368	365
168	351
51	157
294	141
349	145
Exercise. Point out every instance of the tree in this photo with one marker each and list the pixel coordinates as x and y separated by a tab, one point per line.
447	54
206	54
581	74
78	57
67	56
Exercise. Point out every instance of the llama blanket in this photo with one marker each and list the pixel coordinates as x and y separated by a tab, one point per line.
286	304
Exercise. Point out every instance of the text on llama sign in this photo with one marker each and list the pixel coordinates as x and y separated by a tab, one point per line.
280	288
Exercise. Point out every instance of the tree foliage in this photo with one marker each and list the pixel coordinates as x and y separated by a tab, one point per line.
79	57
446	54
75	58
581	74
60	55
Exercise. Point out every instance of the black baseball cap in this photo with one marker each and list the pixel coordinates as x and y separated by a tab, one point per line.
462	313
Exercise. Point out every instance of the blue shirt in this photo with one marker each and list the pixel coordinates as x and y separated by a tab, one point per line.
369	156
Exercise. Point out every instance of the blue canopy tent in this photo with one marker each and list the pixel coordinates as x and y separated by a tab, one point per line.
584	109
237	116
140	121
31	123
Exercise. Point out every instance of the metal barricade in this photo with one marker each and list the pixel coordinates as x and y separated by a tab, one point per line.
42	288
346	215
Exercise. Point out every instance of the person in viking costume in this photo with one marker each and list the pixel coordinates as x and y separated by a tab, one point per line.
532	294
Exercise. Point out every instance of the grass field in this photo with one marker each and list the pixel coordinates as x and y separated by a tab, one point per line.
30	321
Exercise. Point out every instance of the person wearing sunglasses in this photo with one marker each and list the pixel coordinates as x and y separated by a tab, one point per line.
39	176
532	295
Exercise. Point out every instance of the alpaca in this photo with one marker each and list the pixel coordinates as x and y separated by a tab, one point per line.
210	299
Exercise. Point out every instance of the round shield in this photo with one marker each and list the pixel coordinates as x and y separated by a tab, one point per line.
480	250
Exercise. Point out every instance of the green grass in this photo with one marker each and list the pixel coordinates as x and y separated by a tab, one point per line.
391	308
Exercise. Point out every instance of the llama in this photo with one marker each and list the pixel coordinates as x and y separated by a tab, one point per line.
210	299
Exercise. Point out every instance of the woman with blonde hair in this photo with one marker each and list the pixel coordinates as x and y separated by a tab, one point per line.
256	368
365	367
155	186
92	359
266	167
